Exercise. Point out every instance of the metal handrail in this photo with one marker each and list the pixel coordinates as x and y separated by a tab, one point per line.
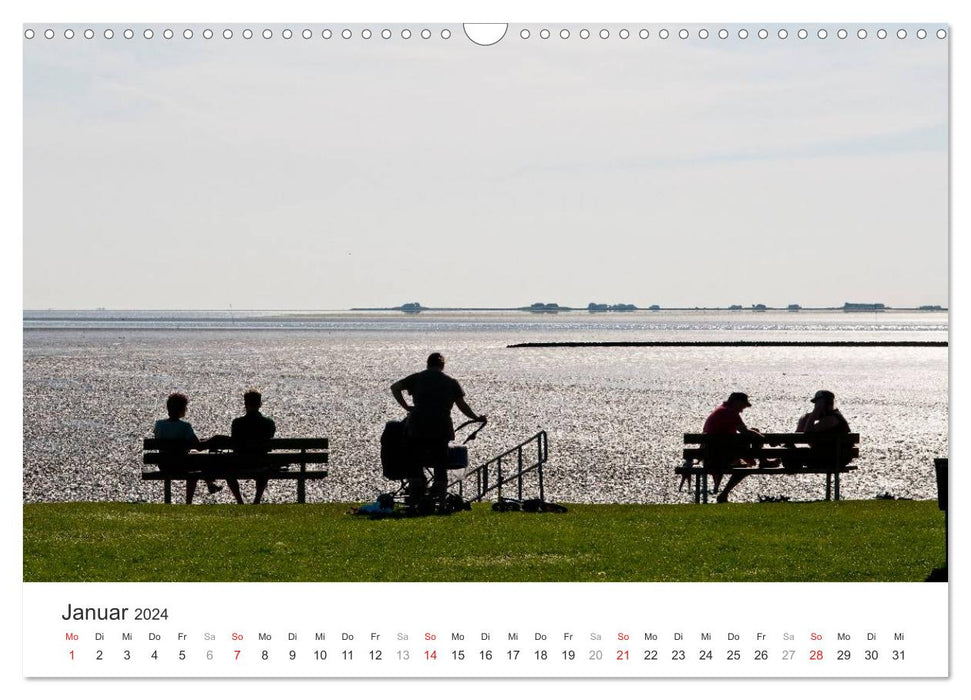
485	484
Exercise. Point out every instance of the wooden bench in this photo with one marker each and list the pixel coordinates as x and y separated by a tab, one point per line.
287	459
829	452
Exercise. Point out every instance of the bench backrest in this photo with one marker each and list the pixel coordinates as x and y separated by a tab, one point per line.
280	452
821	448
809	439
274	444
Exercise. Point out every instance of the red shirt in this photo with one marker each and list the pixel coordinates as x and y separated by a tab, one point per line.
724	420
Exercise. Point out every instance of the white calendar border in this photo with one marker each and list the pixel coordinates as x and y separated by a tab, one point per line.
527	629
439	10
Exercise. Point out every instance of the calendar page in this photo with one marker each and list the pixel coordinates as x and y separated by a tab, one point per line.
375	348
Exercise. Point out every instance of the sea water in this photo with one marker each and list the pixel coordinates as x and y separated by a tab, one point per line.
95	382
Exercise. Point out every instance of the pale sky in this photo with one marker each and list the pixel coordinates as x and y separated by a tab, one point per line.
325	174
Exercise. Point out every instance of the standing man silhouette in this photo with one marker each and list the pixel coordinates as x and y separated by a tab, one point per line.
429	424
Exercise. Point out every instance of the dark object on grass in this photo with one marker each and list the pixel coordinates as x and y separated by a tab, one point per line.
429	505
504	505
384	507
425	505
773	499
452	504
537	505
378	509
887	496
532	505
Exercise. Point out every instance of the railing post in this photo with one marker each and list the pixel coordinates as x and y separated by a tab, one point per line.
544	455
499	478
519	480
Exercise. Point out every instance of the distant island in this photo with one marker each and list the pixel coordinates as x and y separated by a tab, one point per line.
852	307
411	308
594	307
541	308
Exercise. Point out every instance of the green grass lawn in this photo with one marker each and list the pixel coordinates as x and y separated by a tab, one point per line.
845	541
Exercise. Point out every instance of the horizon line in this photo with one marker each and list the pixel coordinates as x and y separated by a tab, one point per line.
654	308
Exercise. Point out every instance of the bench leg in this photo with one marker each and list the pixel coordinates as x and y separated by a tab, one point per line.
301	491
829	485
697	488
704	487
167	491
836	487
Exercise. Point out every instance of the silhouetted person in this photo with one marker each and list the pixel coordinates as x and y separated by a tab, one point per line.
727	420
250	433
429	423
183	437
824	418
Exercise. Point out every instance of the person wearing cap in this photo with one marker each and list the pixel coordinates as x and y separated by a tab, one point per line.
825	417
727	420
429	423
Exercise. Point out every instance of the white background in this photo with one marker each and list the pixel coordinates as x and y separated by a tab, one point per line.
442	11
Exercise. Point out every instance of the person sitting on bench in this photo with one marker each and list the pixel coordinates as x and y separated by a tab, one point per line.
824	418
249	434
183	437
727	420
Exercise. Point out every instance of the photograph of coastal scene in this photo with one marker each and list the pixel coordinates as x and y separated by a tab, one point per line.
688	292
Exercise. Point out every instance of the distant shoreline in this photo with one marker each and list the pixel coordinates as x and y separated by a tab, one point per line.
584	309
50	314
742	344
